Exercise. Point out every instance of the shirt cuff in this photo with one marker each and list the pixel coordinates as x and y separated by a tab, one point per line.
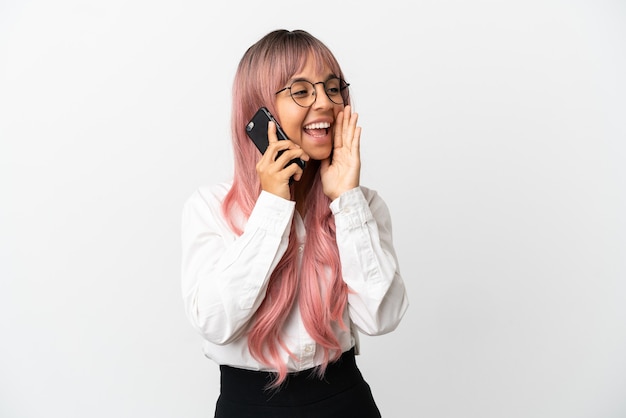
351	209
271	213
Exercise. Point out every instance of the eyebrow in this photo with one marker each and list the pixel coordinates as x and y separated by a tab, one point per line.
293	80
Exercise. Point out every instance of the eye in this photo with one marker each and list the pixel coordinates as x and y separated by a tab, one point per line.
299	93
333	87
301	89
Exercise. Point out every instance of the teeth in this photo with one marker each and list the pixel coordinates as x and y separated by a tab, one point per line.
321	125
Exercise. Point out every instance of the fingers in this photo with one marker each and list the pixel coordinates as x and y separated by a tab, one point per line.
271	132
274	168
356	143
281	152
346	131
338	130
276	176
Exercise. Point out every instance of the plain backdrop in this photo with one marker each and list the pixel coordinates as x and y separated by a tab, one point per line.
494	130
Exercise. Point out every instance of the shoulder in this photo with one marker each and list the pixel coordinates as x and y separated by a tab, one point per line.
205	203
209	195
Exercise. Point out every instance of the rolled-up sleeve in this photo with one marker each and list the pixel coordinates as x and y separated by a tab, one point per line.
377	299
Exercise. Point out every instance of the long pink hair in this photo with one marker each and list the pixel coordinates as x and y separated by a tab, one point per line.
321	292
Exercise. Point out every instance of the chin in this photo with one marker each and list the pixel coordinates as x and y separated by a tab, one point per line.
318	154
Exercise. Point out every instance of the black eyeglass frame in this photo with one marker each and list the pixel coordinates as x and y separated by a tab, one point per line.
342	86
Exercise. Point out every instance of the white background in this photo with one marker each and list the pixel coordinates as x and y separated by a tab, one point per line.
494	130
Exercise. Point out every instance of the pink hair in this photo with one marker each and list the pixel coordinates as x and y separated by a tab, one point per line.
321	292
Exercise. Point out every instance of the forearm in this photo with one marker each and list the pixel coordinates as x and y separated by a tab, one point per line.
377	299
225	276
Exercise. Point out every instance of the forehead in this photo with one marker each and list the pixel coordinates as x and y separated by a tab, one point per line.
313	69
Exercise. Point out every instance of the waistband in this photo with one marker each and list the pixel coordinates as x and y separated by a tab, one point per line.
250	386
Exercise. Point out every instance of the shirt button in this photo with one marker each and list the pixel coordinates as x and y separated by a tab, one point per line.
300	248
308	348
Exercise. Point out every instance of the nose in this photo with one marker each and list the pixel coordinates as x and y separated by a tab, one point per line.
322	101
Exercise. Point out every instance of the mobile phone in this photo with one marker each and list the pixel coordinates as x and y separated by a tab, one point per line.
257	131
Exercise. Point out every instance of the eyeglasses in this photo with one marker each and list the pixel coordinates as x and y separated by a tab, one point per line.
304	94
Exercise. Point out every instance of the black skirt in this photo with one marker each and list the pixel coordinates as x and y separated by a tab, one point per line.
341	393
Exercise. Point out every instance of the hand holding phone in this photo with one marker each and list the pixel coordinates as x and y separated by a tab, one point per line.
257	131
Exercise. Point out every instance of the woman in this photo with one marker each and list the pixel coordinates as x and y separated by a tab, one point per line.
283	266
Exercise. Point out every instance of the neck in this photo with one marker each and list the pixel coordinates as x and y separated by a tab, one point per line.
302	187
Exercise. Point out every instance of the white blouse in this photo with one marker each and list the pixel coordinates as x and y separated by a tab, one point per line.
225	276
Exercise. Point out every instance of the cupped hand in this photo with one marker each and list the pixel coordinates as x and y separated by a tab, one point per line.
341	172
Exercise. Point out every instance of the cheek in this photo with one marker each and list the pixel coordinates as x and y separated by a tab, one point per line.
293	131
291	122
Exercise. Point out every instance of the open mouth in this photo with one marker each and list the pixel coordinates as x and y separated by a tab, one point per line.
317	129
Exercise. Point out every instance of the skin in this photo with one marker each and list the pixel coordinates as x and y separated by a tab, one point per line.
342	140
